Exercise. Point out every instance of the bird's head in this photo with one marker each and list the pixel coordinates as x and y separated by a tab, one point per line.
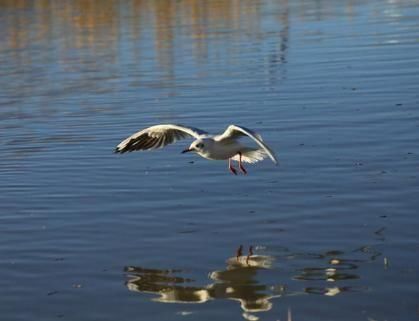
198	146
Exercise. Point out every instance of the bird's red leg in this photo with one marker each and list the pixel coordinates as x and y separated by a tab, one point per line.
231	168
249	255
240	164
239	252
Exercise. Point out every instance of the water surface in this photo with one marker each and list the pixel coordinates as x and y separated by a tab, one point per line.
86	234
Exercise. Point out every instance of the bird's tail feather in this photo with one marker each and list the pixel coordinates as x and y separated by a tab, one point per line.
251	155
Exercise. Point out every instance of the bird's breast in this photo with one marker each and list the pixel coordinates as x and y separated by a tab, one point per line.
221	151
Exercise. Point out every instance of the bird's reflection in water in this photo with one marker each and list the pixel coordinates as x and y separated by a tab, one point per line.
237	282
240	280
166	283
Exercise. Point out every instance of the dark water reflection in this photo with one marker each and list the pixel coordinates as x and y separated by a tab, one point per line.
331	85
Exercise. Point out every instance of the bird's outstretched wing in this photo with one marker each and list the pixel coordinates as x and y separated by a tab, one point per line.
235	132
157	136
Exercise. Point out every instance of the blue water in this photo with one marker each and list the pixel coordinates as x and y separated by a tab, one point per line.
86	234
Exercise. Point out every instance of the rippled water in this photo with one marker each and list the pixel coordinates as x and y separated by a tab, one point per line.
86	234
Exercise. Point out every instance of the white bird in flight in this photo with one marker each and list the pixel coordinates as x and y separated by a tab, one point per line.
225	146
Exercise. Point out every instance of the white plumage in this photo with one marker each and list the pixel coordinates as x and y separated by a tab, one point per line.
226	146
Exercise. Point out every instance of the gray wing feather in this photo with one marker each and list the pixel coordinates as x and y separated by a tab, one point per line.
157	136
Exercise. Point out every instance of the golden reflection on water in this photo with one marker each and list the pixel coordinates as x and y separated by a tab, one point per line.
101	26
162	26
92	37
241	281
83	23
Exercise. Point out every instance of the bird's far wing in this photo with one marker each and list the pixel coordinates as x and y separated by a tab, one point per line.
234	132
157	136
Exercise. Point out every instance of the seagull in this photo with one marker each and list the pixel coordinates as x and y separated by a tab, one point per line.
225	146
